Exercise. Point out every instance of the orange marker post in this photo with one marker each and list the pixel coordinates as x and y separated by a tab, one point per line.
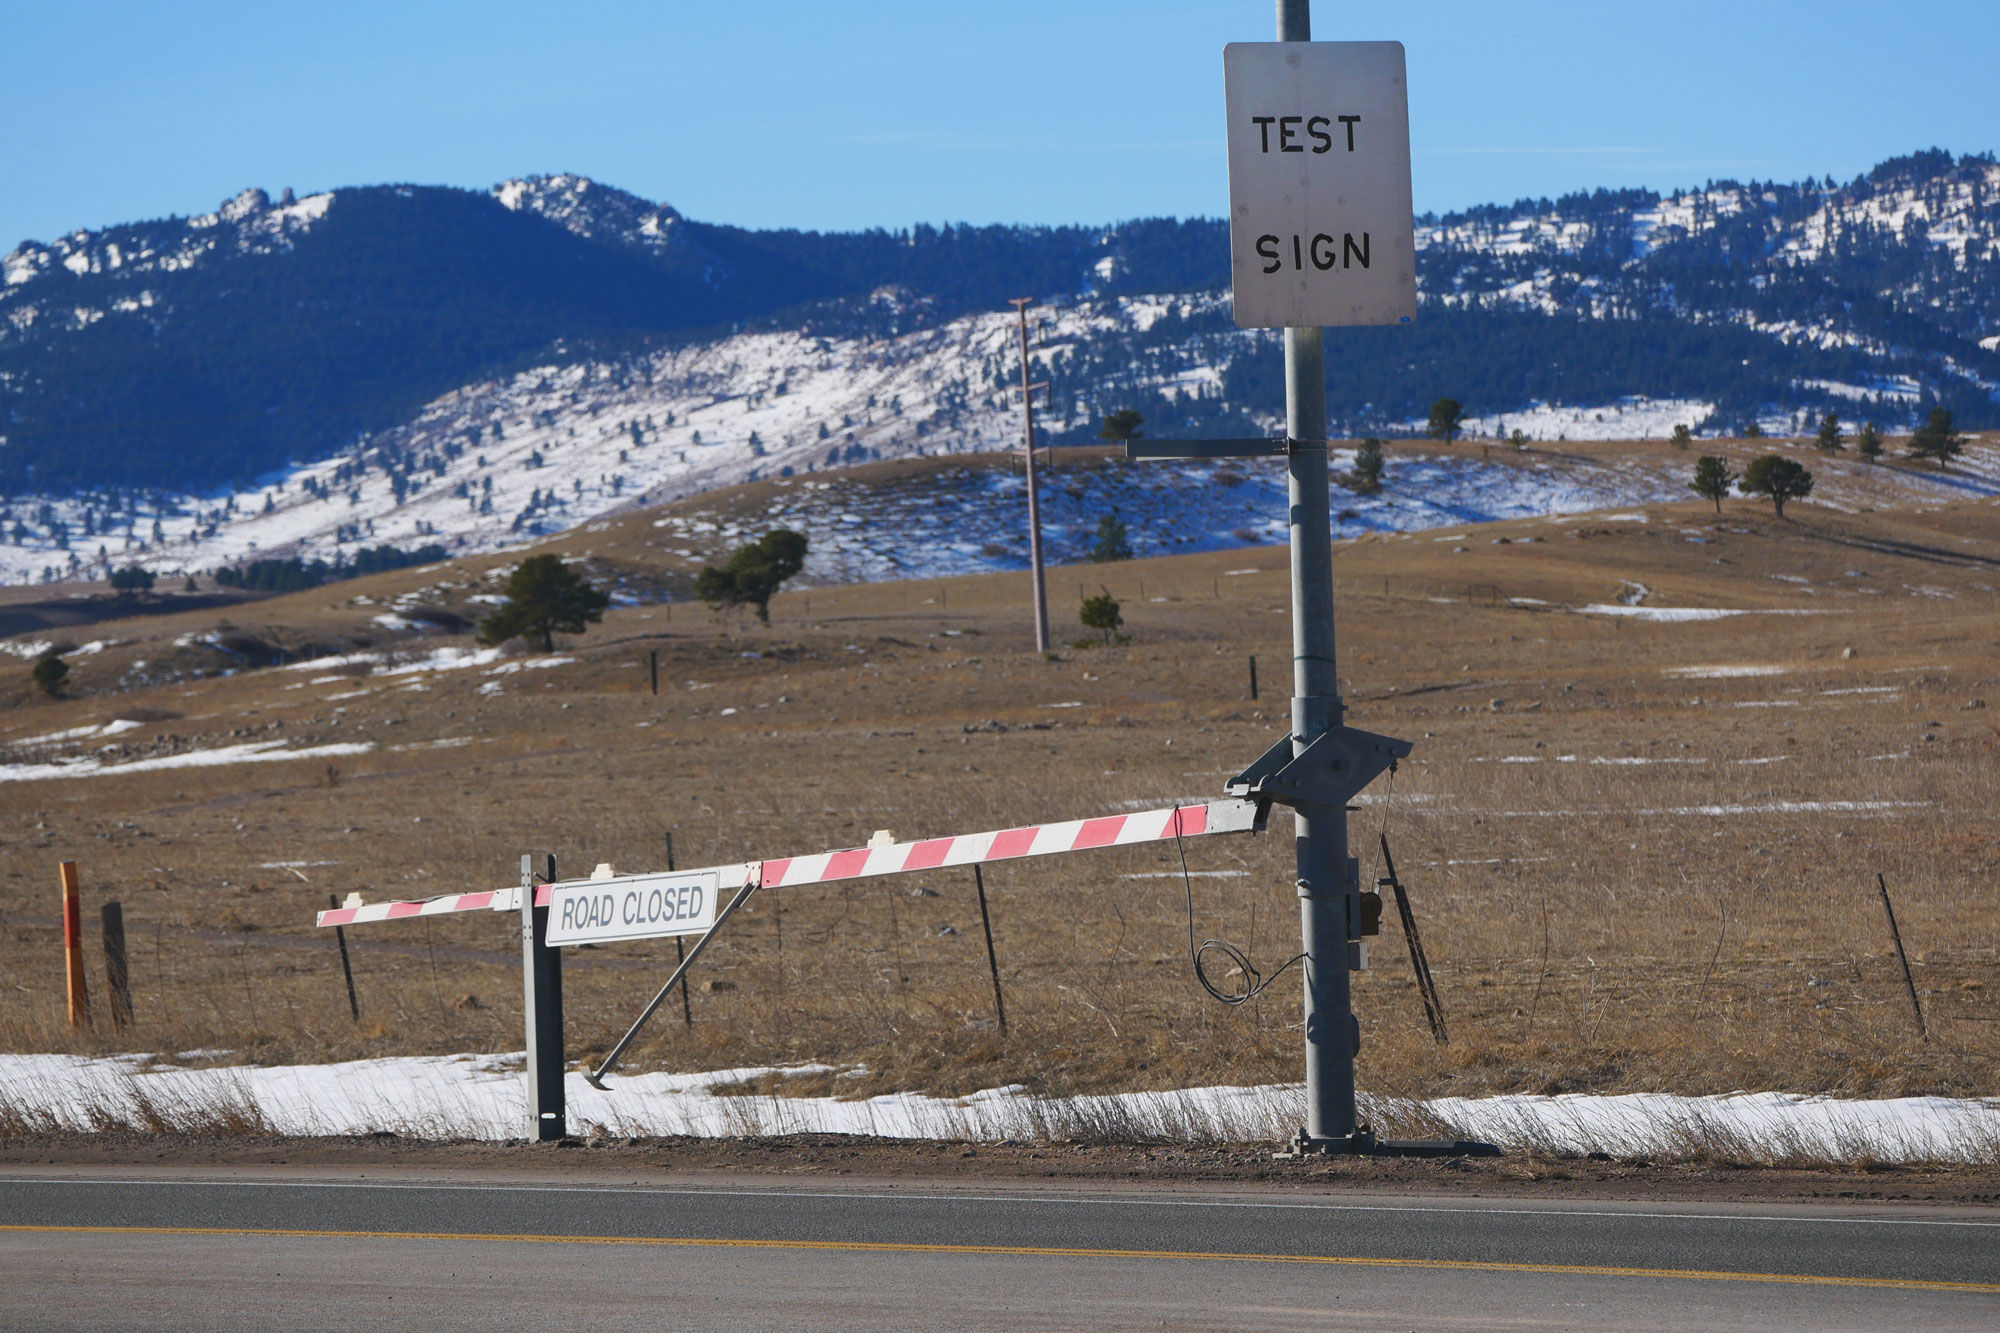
79	995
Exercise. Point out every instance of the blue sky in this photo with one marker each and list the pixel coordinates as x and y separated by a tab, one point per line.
842	115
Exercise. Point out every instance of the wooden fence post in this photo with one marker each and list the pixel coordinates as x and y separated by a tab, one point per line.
79	994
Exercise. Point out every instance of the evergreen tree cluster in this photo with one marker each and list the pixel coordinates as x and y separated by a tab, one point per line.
296	575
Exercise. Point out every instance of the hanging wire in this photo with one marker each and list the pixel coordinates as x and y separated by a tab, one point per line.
1254	982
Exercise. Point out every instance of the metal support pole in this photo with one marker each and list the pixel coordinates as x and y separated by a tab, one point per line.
1021	304
541	1012
1328	879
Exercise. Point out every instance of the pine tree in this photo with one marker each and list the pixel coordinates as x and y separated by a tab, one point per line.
1368	462
1937	439
1446	420
1112	542
1868	443
1777	478
1712	479
1121	427
543	596
1828	441
754	573
49	673
1102	614
1683	437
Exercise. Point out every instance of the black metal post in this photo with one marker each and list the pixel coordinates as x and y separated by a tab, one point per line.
1420	963
680	951
117	979
1909	982
542	1016
992	959
346	967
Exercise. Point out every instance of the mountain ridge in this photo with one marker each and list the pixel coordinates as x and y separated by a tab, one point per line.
366	341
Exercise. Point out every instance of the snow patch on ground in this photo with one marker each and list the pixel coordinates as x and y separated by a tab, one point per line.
484	1097
1681	613
1725	672
255	752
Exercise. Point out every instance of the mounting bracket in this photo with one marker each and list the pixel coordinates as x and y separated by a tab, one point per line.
1330	771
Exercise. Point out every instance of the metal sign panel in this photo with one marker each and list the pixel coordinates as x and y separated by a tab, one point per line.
1320	225
633	907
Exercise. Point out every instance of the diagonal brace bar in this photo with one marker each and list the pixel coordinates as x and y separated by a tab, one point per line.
596	1077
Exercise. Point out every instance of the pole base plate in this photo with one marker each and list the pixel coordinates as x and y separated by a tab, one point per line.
1363	1143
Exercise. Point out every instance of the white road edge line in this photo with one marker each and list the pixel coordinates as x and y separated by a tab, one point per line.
1003	1198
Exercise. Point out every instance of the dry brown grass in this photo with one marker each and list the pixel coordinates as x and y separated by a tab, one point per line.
1590	928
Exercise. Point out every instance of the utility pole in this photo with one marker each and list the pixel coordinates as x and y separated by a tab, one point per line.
1322	763
1021	304
1329	881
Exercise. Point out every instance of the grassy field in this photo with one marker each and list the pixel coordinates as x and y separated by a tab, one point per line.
1643	851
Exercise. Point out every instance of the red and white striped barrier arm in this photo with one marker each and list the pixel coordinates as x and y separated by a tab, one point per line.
1076	835
897	858
450	902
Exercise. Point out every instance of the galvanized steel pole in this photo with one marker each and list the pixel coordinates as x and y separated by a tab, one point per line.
1328	880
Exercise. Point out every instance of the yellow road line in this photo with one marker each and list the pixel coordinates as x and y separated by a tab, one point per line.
1037	1251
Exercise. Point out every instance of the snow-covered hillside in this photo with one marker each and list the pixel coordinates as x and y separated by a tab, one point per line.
1874	299
501	463
969	519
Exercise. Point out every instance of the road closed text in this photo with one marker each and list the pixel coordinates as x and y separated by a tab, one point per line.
636	908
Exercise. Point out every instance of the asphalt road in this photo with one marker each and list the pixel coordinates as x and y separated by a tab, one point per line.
222	1250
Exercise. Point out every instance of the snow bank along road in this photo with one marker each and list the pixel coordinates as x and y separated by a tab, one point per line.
229	1250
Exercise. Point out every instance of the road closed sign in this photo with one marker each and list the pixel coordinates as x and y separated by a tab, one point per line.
633	907
1320	226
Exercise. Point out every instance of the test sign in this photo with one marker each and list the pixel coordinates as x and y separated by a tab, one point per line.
633	907
1320	227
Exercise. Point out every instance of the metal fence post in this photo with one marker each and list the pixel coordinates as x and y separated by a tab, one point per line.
346	967
541	1005
117	980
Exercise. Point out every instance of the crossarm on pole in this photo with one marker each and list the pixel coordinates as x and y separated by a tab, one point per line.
1146	450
